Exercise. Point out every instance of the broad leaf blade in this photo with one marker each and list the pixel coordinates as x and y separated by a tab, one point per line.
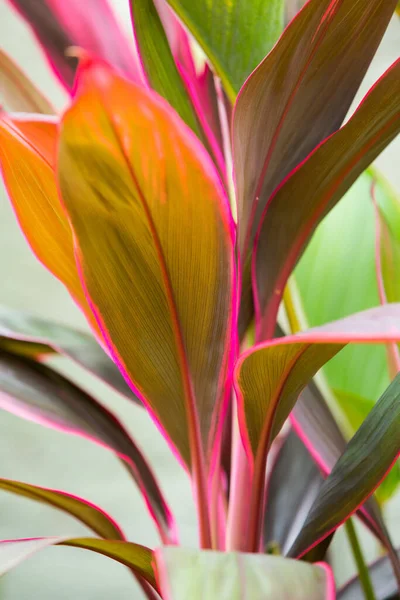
292	487
89	514
90	25
195	574
143	229
136	557
35	392
31	336
360	469
18	93
297	97
27	169
321	181
235	35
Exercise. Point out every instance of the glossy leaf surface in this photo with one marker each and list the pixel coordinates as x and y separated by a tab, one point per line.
90	25
32	336
385	585
185	573
321	181
136	557
89	514
18	92
162	230
297	97
292	487
35	392
234	35
360	469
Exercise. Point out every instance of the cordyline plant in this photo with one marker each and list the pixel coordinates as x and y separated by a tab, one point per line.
173	199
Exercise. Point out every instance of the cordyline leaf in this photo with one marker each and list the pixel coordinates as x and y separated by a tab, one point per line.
35	392
385	586
136	557
28	171
360	469
28	335
291	489
90	25
18	92
142	228
185	573
295	98
87	513
321	181
235	36
270	377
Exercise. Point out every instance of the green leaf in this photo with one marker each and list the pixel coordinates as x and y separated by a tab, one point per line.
235	34
366	460
299	95
136	557
89	514
185	573
31	336
320	181
33	391
158	61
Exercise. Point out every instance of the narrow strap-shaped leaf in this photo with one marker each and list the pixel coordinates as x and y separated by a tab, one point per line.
384	583
144	229
296	97
90	25
28	172
360	469
29	335
37	393
234	35
270	377
18	92
186	573
136	557
90	515
291	488
320	182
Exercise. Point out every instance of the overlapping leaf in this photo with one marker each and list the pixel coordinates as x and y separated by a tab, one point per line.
28	171
185	573
382	579
17	92
154	242
298	96
89	514
321	181
136	557
91	25
360	469
270	377
35	392
235	35
28	335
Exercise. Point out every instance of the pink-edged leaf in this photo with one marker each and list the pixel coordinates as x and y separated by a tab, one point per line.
186	573
294	99
137	558
87	513
35	392
29	335
270	377
320	182
18	92
91	25
382	579
364	463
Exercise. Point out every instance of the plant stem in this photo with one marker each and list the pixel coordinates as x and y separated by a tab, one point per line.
362	568
227	145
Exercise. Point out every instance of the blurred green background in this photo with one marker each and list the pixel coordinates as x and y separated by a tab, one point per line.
33	454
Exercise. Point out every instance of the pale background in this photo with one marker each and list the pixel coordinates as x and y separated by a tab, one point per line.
33	454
